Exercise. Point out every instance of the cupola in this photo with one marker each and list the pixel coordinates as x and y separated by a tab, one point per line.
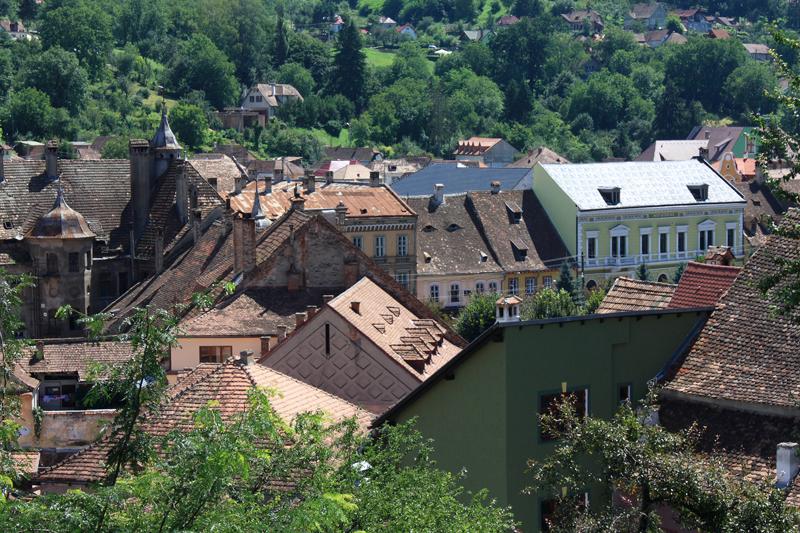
61	222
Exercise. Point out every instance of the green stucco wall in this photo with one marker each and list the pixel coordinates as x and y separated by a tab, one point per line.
559	207
486	418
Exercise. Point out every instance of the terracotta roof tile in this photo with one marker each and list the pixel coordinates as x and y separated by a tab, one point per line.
746	353
228	385
218	170
702	285
475	145
67	356
628	294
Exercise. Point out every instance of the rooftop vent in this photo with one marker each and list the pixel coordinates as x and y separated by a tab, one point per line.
610	195
453	227
428	228
700	192
356	307
427	257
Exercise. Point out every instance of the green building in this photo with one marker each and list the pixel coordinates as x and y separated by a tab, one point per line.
481	409
615	216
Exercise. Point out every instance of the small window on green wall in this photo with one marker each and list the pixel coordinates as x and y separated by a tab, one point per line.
624	393
547	403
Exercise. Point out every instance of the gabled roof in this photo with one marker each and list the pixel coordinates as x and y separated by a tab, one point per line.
361	153
533	232
641	184
360	199
74	356
756	49
702	285
227	386
720	139
458	179
417	343
716	33
98	189
673	150
627	294
746	353
579	15
507	20
448	240
643	10
539	155
217	168
274	90
476	145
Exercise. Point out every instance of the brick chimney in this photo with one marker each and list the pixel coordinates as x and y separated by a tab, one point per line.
374	178
182	194
787	463
309	183
158	253
246	358
197	216
326	298
51	160
141	169
281	331
300	319
265	344
329	176
244	237
438	194
495	187
311	310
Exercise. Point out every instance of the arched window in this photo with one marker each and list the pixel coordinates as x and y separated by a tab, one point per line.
591	285
455	293
663	278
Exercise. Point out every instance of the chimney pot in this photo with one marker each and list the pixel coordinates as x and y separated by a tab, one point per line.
51	159
311	310
329	176
246	357
265	344
310	183
356	307
438	193
327	298
495	187
282	331
787	463
299	319
39	350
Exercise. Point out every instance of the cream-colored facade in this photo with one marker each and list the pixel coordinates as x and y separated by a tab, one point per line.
186	355
454	290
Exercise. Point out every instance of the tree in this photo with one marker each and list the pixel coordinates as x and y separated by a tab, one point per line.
642	274
749	90
527	8
676	278
594	300
674	24
656	468
27	112
115	148
189	123
81	27
58	74
297	76
349	66
200	65
281	53
548	303
475	317
565	281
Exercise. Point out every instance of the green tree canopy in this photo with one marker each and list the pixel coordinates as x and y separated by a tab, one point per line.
189	123
475	317
199	65
28	112
349	66
58	74
548	303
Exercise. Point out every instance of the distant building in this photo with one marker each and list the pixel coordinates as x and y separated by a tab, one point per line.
479	35
259	105
539	155
16	30
581	19
651	16
718	33
506	21
672	212
406	30
457	178
740	141
493	152
759	52
694	19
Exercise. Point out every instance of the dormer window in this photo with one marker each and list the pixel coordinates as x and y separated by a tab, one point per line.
484	257
610	195
7	224
428	228
700	192
453	227
515	211
427	257
520	250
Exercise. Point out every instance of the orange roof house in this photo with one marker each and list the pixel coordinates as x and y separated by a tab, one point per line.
491	151
702	285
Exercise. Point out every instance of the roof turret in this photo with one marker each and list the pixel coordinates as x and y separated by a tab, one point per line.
164	138
61	222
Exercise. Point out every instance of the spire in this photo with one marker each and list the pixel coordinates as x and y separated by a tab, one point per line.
257	213
164	138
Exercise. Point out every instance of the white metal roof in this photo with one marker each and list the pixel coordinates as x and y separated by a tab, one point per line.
678	150
657	183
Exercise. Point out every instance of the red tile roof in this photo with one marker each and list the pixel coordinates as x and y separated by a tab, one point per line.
702	285
228	385
475	145
628	294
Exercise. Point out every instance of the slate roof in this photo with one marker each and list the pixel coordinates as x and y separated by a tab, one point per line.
720	139
217	168
71	356
272	90
495	215
672	150
415	342
61	222
745	443
362	153
254	312
746	353
361	200
756	49
448	240
228	386
762	209
459	179
642	184
627	294
702	285
538	155
579	15
97	189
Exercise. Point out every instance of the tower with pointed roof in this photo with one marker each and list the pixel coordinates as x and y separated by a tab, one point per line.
60	244
164	146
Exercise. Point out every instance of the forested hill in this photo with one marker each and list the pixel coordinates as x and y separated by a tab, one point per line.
439	70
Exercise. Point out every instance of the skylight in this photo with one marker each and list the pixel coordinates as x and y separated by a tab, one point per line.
700	192
610	195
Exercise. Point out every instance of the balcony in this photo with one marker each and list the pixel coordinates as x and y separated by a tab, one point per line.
654	259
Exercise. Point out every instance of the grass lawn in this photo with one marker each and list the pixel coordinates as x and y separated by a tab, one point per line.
375	5
486	15
329	140
378	58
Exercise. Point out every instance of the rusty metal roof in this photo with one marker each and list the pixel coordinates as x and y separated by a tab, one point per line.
61	222
361	200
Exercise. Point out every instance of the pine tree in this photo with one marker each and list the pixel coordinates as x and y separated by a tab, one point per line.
281	42
678	273
642	273
350	67
565	281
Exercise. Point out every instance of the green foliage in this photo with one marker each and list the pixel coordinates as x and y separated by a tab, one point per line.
349	66
548	303
115	148
298	76
749	90
281	53
38	417
28	112
58	74
657	468
82	27
674	24
565	281
594	300
200	66
190	125
642	274
475	317
676	278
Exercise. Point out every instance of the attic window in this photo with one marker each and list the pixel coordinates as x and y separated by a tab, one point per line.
610	195
427	257
520	250
453	227
484	257
7	224
428	228
700	192
515	210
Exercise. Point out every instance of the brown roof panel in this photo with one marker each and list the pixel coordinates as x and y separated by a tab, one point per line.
702	285
67	356
628	294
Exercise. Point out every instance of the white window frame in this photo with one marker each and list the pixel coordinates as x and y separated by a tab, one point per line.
615	233
664	230
402	245
547	282
492	287
530	285
592	236
513	286
380	246
649	233
702	230
455	290
433	292
682	230
480	287
728	227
